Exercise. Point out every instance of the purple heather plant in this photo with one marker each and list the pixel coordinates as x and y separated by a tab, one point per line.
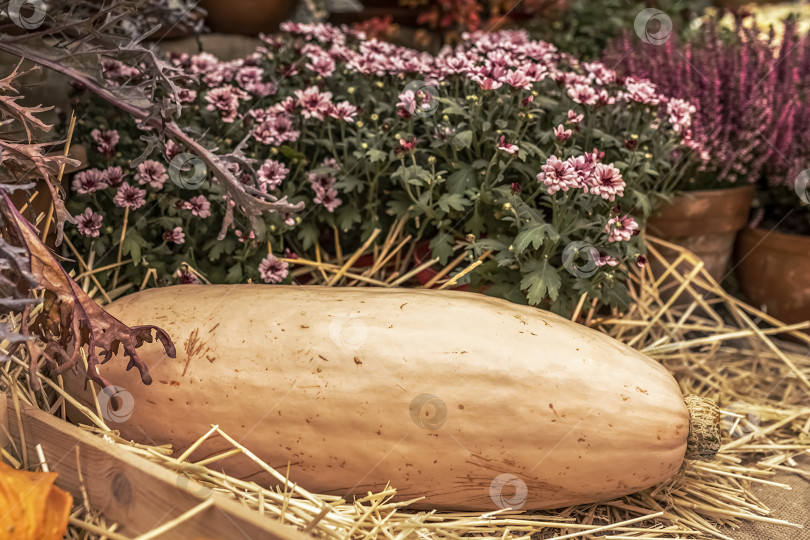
500	144
751	107
747	94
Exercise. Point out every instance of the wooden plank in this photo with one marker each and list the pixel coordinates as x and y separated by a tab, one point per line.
138	494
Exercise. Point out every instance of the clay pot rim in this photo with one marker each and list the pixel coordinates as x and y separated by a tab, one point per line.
694	213
713	192
776	241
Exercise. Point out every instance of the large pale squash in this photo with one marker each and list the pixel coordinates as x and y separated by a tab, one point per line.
467	401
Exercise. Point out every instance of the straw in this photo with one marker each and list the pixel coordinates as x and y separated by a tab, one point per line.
714	344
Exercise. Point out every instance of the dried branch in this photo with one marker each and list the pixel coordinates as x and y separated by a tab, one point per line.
71	319
76	38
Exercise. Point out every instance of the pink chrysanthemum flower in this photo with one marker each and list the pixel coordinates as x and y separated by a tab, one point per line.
680	114
153	173
89	223
186	95
517	79
487	83
323	65
105	141
242	237
641	261
584	94
606	181
129	196
313	103
558	175
407	146
583	166
113	176
599	74
203	62
249	77
407	101
331	163
89	181
641	91
184	277
225	100
561	133
505	146
199	206
343	111
328	198
603	259
172	150
272	269
275	130
621	228
574	118
271	174
117	72
174	236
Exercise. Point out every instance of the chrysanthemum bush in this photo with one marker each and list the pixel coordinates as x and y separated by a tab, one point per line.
501	144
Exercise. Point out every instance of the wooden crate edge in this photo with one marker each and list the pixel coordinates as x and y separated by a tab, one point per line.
127	489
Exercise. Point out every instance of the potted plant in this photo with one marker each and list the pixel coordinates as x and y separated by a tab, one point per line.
501	146
773	254
742	107
247	17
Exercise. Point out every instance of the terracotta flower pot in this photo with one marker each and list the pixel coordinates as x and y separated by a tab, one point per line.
247	17
772	270
705	222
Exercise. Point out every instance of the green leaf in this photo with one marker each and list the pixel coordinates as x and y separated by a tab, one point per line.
290	153
346	216
442	246
475	224
493	244
133	242
375	155
533	149
451	106
413	174
461	180
308	234
234	273
215	249
546	102
452	200
535	235
398	207
350	183
462	140
541	283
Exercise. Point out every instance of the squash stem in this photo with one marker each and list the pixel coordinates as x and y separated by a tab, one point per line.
704	428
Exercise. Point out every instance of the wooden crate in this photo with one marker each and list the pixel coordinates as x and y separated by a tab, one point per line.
127	489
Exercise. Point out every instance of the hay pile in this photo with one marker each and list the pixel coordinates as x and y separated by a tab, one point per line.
714	344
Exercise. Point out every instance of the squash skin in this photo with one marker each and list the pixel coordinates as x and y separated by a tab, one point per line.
336	381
